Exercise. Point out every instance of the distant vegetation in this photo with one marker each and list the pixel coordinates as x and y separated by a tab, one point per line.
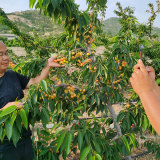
111	26
30	21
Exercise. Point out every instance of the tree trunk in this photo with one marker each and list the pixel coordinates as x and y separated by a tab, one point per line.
116	124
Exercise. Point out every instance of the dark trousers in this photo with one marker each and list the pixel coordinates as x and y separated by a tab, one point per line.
23	151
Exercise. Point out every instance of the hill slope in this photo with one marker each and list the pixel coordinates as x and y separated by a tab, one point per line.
111	26
29	21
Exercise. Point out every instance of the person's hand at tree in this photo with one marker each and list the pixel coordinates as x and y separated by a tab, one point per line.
141	80
51	63
149	69
151	74
143	83
45	71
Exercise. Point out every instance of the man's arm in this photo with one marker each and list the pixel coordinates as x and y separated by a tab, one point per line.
151	104
157	89
44	74
143	83
18	104
45	71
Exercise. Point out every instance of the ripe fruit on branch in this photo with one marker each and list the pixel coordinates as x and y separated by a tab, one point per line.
90	32
59	82
60	60
11	64
127	105
118	61
124	63
120	67
87	36
132	125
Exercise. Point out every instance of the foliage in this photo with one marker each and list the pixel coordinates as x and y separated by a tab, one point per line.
88	84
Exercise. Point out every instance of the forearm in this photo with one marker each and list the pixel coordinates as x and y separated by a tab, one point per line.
18	104
7	105
157	89
44	74
151	104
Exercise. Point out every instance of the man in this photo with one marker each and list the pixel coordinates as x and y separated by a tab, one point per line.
144	84
11	89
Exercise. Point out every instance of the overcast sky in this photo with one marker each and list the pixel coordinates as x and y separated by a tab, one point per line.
140	7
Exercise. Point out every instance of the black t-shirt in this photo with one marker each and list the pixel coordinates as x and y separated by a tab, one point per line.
11	89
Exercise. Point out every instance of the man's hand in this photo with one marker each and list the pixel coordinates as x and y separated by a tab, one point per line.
18	104
149	69
141	81
51	63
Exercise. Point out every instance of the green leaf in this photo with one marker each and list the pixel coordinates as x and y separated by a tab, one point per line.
8	129
133	140
52	105
3	119
7	110
97	99
14	115
35	97
45	114
80	140
43	152
1	131
80	22
84	153
96	145
145	122
78	108
44	85
98	156
68	143
15	135
60	140
46	3
126	144
90	157
54	3
32	2
92	100
40	2
24	118
158	81
18	123
120	116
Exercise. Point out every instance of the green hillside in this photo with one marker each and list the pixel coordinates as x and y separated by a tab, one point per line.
29	21
111	26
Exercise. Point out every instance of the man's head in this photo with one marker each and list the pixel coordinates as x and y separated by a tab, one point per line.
4	58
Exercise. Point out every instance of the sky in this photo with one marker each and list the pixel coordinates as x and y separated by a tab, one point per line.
140	7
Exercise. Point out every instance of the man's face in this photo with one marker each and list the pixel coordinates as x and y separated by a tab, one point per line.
4	58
